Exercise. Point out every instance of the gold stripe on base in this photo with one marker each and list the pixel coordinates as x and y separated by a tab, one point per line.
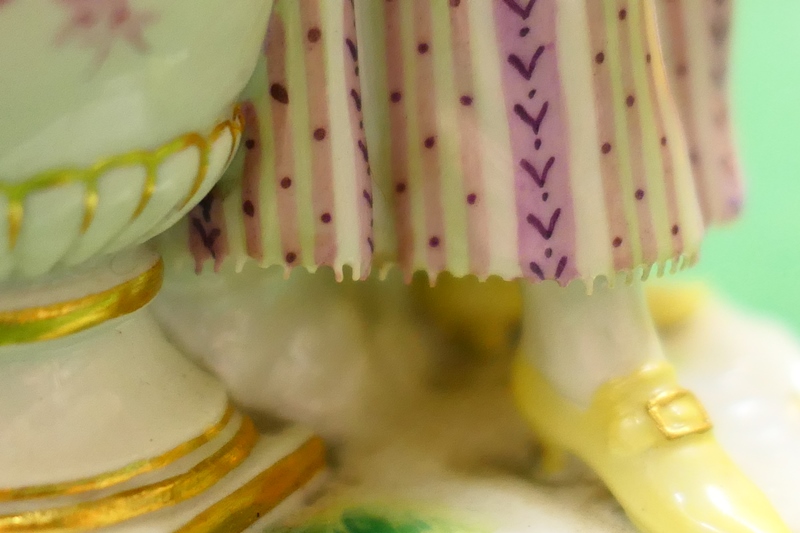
141	500
263	493
64	318
121	475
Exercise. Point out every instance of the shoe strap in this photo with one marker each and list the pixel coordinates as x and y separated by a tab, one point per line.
648	406
678	413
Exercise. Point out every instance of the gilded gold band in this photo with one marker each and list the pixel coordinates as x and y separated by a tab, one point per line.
16	193
64	318
263	493
141	500
121	475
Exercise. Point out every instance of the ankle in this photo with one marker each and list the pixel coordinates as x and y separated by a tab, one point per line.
579	342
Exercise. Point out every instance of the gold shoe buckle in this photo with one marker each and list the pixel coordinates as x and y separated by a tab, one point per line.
678	413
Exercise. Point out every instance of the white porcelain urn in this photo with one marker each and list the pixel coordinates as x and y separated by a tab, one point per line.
116	118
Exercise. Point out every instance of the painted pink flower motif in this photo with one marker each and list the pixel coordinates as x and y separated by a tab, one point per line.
99	24
4	3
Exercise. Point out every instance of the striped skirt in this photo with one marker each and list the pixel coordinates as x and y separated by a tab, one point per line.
539	139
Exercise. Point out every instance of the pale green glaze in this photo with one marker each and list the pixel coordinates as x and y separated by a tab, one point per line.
75	92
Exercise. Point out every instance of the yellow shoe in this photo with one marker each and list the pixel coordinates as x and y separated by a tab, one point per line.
651	443
485	315
672	304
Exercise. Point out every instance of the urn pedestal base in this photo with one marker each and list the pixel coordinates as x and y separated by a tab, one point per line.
104	424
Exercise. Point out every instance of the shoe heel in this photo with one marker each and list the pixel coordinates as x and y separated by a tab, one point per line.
556	465
554	459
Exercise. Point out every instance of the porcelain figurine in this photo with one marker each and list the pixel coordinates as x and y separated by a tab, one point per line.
575	146
117	118
555	142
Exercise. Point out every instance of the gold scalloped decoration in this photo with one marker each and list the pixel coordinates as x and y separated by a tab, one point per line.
17	193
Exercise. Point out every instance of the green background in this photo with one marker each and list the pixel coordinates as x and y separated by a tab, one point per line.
756	262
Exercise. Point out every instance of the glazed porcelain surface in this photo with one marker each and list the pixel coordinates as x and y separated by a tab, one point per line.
101	416
80	400
84	80
118	117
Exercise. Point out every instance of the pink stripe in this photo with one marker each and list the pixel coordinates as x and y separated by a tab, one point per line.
678	72
609	162
428	134
647	234
670	191
280	102
728	194
363	182
251	206
322	191
399	138
537	117
469	130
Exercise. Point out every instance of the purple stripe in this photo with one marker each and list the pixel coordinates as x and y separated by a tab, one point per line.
537	121
208	238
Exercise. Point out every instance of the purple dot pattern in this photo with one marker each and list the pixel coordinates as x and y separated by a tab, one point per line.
718	175
251	178
423	145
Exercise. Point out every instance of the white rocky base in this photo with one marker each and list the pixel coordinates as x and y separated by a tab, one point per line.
422	427
744	368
